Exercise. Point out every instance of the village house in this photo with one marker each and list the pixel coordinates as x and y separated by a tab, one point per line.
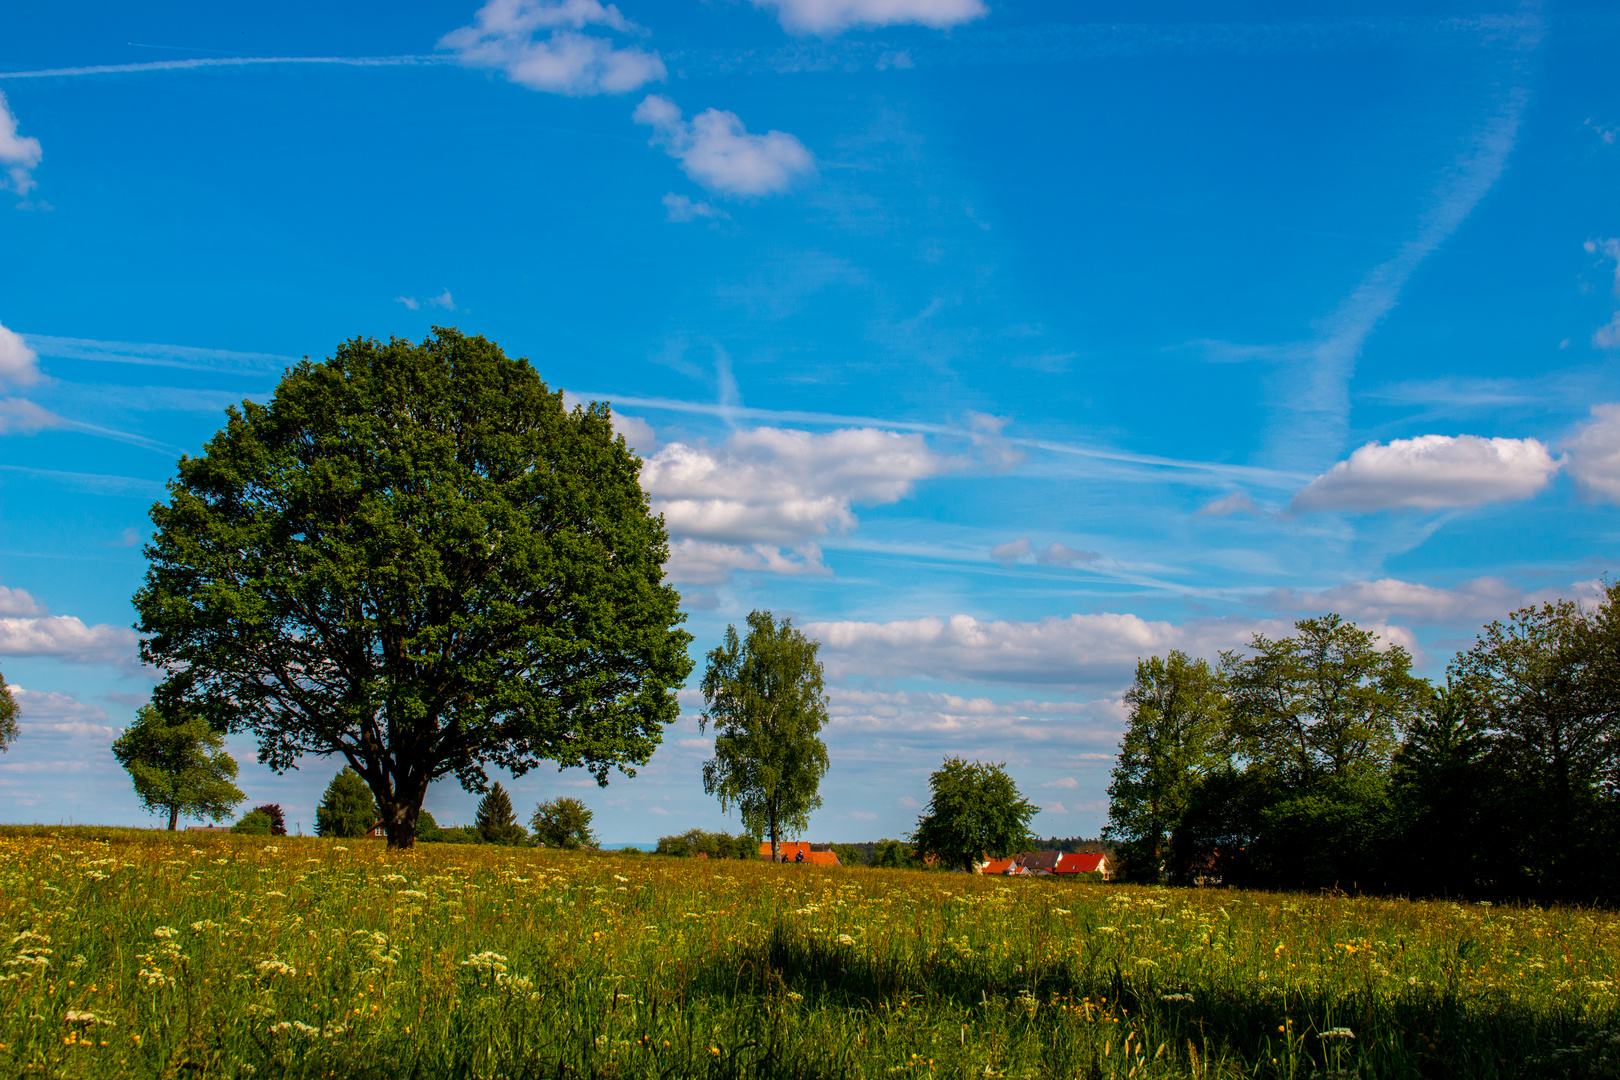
1048	863
814	854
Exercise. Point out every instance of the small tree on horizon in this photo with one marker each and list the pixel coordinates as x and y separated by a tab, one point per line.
563	823
495	820
347	810
766	699
181	767
976	811
8	716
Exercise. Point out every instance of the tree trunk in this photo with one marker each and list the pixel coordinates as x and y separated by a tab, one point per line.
776	842
174	818
399	822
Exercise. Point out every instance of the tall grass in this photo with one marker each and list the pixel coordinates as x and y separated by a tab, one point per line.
163	955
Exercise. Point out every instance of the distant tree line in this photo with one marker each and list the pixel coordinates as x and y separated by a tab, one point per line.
1319	760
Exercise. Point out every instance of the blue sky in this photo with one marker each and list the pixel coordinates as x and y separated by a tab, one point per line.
999	343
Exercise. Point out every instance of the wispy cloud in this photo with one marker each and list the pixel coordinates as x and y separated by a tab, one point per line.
93	483
1311	400
173	356
681	208
443	300
220	61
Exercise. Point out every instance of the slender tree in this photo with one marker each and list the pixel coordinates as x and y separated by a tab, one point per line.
766	700
415	557
347	809
8	716
563	823
179	767
976	812
495	820
1175	737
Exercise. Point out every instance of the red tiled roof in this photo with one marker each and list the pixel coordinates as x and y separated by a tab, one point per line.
1038	860
1082	863
996	866
790	851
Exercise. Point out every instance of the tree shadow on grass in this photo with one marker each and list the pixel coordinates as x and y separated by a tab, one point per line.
1256	1028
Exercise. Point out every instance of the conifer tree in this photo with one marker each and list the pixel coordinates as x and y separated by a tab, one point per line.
347	809
495	821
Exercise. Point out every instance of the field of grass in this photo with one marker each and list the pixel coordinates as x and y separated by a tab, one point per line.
134	954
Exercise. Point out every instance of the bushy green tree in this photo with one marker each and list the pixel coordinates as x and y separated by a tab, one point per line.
253	823
347	809
1326	702
179	766
8	716
1445	796
563	823
713	845
495	820
1176	735
976	811
417	558
427	830
765	697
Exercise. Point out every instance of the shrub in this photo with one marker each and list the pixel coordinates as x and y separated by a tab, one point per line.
427	830
278	820
720	845
563	823
254	823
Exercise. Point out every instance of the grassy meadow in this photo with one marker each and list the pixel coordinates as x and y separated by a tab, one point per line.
139	954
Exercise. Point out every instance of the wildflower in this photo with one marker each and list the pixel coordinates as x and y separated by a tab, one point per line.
620	877
29	935
86	1019
340	847
795	997
845	939
165	932
416	894
1338	1033
1176	997
77	962
273	966
205	924
1062	911
1144	962
487	963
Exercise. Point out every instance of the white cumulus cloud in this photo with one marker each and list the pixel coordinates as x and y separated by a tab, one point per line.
19	365
19	155
834	16
703	562
1431	472
717	151
1594	452
506	37
778	485
67	637
18	602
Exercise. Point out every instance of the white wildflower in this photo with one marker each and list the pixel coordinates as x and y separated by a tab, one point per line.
1338	1033
86	1019
165	932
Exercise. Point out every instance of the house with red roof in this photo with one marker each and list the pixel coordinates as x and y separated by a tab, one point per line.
1084	863
814	854
994	866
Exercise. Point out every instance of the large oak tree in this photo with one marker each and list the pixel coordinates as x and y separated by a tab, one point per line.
416	557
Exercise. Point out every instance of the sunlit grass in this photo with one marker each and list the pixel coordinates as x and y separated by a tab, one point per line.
152	954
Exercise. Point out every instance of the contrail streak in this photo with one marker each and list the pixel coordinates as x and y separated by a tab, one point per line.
225	61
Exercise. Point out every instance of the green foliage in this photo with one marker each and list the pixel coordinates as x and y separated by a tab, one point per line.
417	558
495	821
894	854
278	820
460	834
253	823
427	830
716	845
563	823
1177	726
1325	703
179	766
766	700
8	716
849	854
347	810
976	811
